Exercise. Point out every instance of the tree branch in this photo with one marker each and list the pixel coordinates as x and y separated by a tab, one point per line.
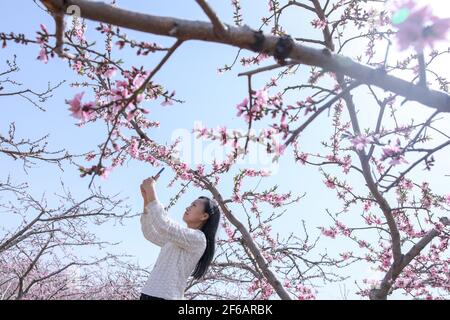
382	202
250	243
219	27
244	37
394	271
318	112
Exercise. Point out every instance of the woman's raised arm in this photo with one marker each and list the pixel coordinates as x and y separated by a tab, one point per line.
149	231
187	238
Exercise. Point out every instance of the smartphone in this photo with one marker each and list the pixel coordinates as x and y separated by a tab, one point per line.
159	172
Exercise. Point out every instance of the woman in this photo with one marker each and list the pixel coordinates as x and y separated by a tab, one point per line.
184	251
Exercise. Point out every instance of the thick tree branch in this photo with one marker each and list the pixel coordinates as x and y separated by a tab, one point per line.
244	37
219	27
382	202
252	246
394	271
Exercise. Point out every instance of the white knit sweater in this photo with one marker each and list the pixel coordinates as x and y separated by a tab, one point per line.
181	249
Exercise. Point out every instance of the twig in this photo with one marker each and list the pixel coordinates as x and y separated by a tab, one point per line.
219	28
268	68
319	111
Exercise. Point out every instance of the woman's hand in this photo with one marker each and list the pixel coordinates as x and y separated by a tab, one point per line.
148	189
148	185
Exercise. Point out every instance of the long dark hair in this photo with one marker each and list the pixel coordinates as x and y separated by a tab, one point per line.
209	228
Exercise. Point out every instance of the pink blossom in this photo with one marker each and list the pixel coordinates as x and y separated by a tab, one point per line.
105	173
283	125
345	255
77	66
332	232
447	199
236	198
390	151
80	111
346	164
111	72
267	133
319	23
223	135
279	148
302	157
44	28
367	205
167	102
310	100
120	44
120	91
202	131
397	160
234	144
90	156
261	98
229	232
426	199
276	100
343	229
75	103
261	57
131	115
395	153
417	26
138	81
406	184
274	199
304	293
250	172
133	148
362	244
78	30
360	142
241	107
266	288
116	146
105	29
43	55
330	183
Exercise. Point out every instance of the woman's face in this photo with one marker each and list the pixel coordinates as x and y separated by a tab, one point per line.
195	213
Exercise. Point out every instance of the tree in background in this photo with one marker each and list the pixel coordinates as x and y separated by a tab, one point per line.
39	245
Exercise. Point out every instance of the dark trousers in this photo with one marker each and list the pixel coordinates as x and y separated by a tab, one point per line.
147	297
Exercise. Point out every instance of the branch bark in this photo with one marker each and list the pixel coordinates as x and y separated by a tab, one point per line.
244	38
219	28
252	246
388	281
382	202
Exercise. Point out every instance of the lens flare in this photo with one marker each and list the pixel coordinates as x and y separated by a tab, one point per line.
400	16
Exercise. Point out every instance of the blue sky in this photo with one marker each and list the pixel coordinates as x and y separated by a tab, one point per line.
210	98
